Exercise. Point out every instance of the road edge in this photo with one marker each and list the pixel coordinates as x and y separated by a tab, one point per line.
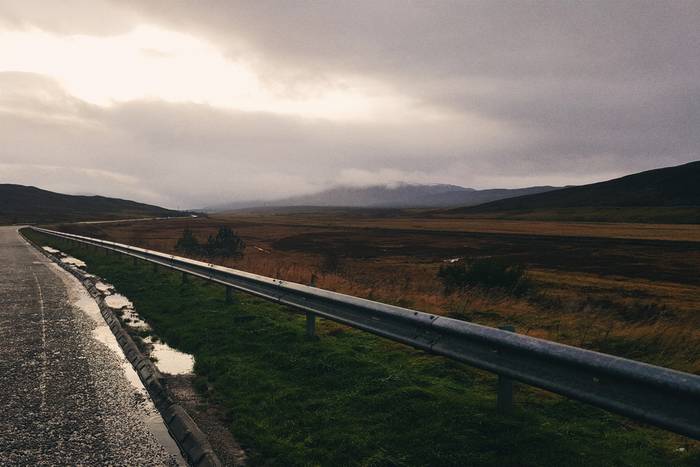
189	437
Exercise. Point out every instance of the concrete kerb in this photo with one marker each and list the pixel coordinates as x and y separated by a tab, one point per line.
190	439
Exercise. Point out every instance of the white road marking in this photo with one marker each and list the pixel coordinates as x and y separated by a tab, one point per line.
44	357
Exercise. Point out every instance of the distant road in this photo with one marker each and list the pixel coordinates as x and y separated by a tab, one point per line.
137	219
64	395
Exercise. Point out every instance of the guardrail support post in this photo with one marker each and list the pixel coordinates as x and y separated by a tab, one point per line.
155	267
504	401
184	278
135	261
230	298
310	324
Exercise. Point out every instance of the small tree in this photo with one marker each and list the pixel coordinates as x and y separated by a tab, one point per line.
188	243
226	243
486	273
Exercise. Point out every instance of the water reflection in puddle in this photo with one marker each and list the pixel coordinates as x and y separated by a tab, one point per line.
73	261
169	360
118	301
104	288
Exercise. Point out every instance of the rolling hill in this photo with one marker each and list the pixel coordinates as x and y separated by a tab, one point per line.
21	204
398	196
670	194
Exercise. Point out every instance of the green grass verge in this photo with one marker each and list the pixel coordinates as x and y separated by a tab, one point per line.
349	398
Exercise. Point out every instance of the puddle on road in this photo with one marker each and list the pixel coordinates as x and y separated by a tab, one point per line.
104	288
133	320
73	261
118	301
125	309
65	258
103	334
169	360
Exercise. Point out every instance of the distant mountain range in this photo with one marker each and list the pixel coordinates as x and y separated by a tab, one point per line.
670	194
21	204
399	196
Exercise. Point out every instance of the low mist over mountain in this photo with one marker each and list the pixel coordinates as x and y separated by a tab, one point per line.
398	196
21	204
670	194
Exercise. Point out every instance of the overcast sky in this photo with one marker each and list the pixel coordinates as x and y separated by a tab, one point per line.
185	103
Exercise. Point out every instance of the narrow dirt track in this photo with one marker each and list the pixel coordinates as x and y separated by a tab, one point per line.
64	395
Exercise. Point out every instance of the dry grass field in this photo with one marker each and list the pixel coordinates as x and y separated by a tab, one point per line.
628	289
428	220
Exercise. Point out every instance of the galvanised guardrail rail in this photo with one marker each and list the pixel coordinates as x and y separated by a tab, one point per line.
659	396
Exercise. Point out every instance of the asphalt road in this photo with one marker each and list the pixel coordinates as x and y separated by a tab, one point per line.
65	398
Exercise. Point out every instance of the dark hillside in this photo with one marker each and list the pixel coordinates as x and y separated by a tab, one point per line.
670	187
21	204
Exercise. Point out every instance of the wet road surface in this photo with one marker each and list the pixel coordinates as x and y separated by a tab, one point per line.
64	395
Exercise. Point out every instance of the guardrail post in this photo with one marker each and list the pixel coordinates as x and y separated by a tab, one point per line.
135	261
184	278
230	298
504	401
310	324
155	267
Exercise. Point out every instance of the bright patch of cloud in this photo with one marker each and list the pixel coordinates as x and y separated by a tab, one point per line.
153	63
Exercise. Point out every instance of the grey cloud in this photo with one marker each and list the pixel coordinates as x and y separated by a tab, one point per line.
189	155
582	91
612	81
521	39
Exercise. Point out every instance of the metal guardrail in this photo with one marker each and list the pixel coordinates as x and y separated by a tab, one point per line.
659	396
